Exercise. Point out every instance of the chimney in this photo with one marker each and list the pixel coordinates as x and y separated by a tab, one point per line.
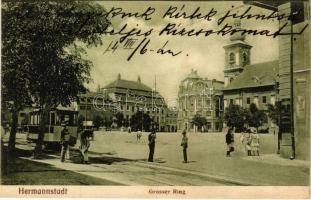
119	76
138	79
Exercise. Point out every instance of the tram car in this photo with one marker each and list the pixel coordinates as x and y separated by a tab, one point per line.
52	134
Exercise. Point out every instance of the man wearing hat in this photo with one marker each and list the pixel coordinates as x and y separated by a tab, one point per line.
184	144
151	139
64	139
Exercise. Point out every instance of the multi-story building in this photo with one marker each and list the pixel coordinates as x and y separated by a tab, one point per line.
92	104
129	97
200	96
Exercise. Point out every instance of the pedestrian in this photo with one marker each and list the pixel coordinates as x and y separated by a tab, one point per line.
246	141
151	139
85	144
230	141
254	142
64	140
138	136
184	144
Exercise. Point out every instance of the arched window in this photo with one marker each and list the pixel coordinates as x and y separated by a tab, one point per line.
231	58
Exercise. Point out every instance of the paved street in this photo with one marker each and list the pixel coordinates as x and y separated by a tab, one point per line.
118	157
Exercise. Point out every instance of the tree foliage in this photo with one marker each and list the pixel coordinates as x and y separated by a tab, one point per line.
256	117
274	112
199	121
236	116
42	51
98	120
141	120
119	119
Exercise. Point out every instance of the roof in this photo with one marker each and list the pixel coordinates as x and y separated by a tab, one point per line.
256	75
134	85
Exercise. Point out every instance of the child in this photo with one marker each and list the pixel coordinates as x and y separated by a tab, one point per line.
255	142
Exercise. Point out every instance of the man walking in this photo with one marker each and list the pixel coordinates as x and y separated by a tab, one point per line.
229	141
151	139
64	138
184	144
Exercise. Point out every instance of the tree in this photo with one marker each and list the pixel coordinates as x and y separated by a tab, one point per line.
274	112
236	116
256	117
119	119
46	35
199	121
14	71
97	121
141	120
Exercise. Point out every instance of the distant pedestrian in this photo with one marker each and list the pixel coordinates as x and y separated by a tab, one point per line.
138	136
151	139
64	142
255	142
246	141
230	141
129	129
85	144
184	144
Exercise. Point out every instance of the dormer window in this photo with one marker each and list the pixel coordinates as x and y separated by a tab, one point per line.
231	58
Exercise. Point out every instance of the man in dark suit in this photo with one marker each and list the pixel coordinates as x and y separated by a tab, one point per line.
184	144
151	139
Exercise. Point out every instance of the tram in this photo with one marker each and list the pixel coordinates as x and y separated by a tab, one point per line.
52	134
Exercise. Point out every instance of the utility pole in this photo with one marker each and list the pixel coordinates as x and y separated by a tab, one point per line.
292	87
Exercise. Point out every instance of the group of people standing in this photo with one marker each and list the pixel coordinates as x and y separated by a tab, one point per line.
249	139
151	143
84	136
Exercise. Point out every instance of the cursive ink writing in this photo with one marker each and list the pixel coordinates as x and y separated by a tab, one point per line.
173	13
114	12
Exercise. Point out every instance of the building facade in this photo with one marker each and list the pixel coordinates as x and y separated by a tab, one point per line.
256	83
200	96
294	72
129	97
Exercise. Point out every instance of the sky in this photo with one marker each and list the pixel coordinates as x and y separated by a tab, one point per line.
204	54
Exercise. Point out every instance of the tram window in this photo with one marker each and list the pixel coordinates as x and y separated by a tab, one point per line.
53	119
71	120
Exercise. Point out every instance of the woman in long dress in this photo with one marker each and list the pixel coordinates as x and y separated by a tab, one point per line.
85	145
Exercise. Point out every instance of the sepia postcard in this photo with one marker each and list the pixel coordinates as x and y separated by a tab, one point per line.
155	99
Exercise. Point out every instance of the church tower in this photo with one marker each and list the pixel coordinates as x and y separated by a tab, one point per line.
237	55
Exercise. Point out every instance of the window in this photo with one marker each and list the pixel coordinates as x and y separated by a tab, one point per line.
127	107
248	100
237	101
231	101
272	100
231	79
82	107
231	58
53	121
264	99
132	108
